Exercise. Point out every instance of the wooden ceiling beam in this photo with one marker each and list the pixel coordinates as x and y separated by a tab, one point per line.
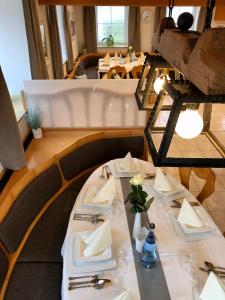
129	2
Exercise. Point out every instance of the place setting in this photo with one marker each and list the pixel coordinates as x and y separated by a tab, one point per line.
191	221
125	167
164	186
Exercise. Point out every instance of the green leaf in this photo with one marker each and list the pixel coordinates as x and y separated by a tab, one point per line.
133	210
139	188
148	203
140	207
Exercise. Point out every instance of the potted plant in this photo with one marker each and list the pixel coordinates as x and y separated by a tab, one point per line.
34	121
138	201
109	40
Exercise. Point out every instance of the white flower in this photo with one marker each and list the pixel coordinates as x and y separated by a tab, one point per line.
137	179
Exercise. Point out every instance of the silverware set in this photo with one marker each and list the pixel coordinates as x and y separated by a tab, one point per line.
209	267
178	204
81	282
94	219
106	169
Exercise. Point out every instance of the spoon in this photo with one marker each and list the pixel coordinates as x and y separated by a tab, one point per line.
93	280
98	284
211	266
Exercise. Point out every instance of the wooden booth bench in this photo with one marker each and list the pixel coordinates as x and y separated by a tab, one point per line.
35	214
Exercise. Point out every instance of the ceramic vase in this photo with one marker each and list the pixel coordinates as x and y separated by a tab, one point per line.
37	133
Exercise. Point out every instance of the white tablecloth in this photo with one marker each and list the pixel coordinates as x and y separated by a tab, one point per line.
172	251
102	68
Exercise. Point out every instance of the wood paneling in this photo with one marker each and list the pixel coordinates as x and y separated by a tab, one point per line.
220	13
129	2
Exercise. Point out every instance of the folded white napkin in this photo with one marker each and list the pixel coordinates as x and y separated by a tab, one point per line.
142	57
127	163
127	59
123	296
214	288
188	215
98	240
162	183
116	56
106	58
107	192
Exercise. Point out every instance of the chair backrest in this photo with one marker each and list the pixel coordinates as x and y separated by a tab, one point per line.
136	71
203	173
121	71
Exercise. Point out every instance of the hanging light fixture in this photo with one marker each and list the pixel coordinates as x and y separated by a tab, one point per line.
160	81
185	120
190	123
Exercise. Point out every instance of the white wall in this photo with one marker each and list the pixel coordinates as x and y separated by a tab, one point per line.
14	56
147	29
86	104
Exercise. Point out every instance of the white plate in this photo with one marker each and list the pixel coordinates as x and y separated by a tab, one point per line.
119	169
89	268
208	223
79	246
177	187
91	192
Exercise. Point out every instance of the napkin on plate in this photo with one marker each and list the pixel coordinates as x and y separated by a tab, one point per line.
116	56
214	288
188	216
142	57
127	59
127	163
106	59
162	182
98	240
107	192
123	296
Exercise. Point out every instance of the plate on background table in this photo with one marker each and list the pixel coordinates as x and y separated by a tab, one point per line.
79	246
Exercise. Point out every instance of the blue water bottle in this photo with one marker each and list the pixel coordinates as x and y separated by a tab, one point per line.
149	255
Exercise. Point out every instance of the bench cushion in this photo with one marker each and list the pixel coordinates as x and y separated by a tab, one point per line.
35	281
4	264
46	239
47	247
27	206
98	152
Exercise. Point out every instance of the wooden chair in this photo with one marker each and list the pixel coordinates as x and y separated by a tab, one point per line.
121	71
206	174
136	71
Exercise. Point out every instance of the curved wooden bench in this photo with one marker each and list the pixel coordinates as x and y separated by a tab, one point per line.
35	214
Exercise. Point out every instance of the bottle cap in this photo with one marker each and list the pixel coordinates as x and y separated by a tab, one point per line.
150	238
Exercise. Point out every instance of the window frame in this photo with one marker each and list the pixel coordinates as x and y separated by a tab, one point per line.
101	44
195	13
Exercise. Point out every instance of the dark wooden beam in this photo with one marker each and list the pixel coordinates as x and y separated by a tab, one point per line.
125	2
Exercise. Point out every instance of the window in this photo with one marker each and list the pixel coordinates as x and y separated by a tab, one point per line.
112	20
177	10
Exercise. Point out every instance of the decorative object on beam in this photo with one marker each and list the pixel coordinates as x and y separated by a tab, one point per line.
185	97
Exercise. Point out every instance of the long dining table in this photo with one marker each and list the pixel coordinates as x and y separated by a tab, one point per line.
171	278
